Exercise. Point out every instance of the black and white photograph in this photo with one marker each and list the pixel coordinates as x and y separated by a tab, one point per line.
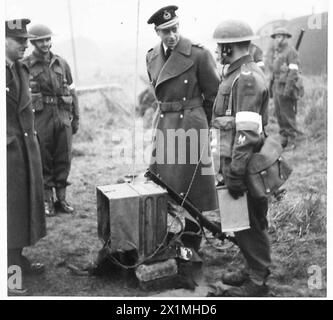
164	149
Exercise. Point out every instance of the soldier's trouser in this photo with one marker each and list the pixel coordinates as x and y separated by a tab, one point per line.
53	126
254	242
286	116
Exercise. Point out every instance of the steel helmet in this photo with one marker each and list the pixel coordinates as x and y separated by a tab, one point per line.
40	31
232	31
281	31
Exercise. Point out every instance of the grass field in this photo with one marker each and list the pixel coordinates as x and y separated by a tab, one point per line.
297	222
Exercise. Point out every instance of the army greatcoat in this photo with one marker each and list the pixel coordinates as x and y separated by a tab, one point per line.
25	203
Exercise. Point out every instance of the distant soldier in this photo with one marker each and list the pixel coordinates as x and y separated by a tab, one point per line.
284	82
56	110
25	205
184	77
240	112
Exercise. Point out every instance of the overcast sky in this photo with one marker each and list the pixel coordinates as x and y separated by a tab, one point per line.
111	20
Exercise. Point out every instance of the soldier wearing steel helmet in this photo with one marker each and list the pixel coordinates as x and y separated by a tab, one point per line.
286	87
185	83
56	111
240	114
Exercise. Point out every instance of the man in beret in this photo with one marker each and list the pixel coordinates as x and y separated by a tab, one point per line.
25	204
286	86
185	82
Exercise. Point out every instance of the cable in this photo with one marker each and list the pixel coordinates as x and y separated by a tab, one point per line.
159	249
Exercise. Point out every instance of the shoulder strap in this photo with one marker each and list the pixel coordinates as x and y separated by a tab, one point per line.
63	67
229	110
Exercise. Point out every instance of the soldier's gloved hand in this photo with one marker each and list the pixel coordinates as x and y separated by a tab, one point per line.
75	125
236	193
235	184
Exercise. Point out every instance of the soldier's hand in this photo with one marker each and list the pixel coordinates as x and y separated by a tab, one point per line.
75	125
236	193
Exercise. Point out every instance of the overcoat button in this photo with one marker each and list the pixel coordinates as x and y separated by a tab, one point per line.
184	98
25	134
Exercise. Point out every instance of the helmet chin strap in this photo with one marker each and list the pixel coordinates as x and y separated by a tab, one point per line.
226	52
223	60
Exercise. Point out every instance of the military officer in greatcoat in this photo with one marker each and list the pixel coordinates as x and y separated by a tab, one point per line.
56	110
185	82
240	113
25	204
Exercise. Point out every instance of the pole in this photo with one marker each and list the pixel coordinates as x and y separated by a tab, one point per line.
72	40
135	88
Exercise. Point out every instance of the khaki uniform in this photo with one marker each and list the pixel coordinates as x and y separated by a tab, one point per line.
258	56
55	106
25	203
240	112
285	90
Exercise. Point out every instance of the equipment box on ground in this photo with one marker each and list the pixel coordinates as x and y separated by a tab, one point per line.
132	216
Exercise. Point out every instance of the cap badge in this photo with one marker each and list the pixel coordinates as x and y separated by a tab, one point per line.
166	15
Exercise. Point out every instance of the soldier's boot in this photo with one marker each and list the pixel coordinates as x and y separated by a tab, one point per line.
253	286
61	205
49	203
235	278
249	288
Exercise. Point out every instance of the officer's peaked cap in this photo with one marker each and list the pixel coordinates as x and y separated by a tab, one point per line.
17	28
164	18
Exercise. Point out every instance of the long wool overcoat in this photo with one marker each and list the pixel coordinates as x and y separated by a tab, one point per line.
185	87
25	203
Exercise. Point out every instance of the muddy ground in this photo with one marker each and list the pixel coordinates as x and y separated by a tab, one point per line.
297	222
